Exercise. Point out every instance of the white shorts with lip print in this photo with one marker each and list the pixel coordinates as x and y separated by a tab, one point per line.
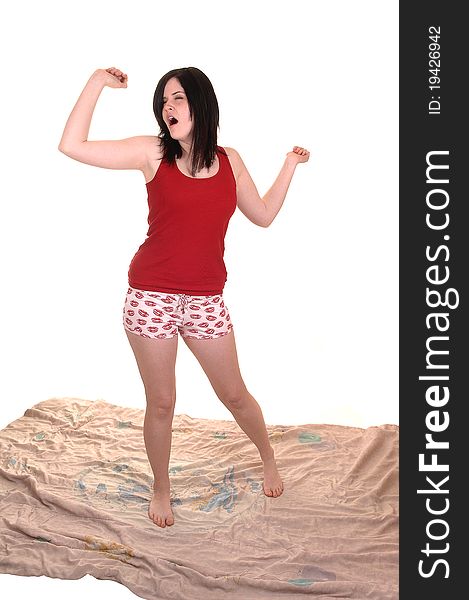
162	315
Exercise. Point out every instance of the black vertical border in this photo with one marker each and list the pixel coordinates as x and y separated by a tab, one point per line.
419	134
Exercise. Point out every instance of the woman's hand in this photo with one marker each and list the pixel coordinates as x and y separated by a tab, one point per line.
112	77
298	155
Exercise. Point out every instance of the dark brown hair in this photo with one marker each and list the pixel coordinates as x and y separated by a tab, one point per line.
204	112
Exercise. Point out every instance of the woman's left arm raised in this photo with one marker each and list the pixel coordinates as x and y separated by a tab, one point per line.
262	211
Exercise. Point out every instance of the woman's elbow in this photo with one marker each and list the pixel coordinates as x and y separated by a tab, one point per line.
62	149
265	220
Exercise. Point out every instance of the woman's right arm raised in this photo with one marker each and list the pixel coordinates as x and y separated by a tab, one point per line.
129	153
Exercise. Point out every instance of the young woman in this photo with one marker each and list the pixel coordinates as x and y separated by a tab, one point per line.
177	276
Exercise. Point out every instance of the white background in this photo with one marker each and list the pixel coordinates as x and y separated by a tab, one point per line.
313	298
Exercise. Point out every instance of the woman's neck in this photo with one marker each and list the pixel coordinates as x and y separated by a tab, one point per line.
186	151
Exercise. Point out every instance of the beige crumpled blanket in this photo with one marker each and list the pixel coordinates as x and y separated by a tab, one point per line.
75	484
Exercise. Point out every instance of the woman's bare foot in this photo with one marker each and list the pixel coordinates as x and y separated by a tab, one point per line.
273	485
159	510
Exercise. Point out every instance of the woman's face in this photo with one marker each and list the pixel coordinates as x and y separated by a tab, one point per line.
175	105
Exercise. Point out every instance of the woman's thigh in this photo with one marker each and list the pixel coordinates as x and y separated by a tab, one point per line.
219	360
156	361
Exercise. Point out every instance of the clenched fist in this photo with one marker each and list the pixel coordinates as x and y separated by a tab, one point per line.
298	154
112	77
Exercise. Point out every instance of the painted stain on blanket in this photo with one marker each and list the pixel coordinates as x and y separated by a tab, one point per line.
315	441
111	549
221	496
312	574
276	436
106	484
120	468
301	581
175	469
307	437
207	495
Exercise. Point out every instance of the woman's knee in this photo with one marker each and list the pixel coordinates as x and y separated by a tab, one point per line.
161	405
235	397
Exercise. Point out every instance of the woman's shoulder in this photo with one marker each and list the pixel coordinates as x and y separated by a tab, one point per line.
231	153
235	160
153	146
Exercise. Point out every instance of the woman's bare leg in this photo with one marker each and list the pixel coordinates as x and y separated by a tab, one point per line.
156	361
218	358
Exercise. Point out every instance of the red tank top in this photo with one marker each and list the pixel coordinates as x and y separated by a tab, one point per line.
188	218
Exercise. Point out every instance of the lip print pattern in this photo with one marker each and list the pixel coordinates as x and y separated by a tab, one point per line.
160	315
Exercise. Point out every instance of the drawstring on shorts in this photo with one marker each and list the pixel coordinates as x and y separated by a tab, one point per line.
182	301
